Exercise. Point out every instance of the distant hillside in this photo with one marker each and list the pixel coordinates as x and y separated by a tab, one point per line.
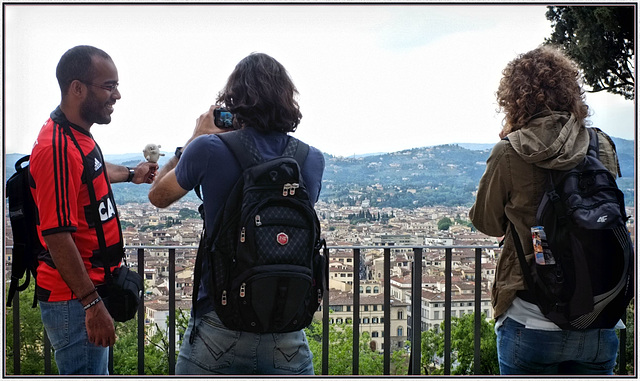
439	175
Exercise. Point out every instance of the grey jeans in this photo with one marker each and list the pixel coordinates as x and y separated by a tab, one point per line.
219	350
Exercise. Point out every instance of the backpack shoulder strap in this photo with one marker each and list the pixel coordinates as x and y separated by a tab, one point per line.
297	149
524	266
245	151
242	147
593	135
25	159
593	149
95	205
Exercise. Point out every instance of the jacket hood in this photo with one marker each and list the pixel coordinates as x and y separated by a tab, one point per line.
554	140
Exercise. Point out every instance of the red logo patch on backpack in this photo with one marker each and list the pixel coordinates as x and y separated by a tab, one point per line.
282	239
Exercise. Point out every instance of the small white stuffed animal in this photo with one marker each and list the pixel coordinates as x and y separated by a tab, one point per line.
152	152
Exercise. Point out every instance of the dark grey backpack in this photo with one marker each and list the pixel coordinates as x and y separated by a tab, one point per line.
587	280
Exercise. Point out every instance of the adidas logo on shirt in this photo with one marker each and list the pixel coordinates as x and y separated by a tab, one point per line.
97	164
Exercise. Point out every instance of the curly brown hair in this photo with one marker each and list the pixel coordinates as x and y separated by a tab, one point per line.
543	79
260	94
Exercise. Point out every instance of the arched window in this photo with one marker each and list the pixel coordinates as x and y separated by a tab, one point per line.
376	289
400	331
368	289
400	315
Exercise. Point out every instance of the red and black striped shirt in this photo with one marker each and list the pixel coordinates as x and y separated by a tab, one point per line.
59	187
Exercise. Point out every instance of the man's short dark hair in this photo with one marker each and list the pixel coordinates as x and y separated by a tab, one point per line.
76	63
260	94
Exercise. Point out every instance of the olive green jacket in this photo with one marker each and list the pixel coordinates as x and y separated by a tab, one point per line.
513	184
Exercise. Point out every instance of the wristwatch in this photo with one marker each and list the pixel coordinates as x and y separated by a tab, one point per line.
132	172
178	152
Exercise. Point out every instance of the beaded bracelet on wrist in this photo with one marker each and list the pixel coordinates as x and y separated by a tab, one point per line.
87	294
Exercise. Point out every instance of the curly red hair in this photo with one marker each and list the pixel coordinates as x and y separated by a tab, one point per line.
543	79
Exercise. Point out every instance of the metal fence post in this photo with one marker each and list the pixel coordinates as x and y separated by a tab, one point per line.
172	311
478	312
356	312
141	313
325	324
447	311
16	333
386	345
416	313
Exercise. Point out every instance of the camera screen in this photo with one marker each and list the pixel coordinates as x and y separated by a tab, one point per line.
223	118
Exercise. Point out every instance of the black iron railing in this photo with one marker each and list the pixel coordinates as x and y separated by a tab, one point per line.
413	323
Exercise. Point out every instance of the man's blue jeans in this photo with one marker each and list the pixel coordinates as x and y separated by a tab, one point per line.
530	351
65	326
219	350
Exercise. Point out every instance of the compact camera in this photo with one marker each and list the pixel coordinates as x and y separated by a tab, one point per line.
223	118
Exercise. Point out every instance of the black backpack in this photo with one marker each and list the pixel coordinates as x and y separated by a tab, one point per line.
23	217
267	272
583	277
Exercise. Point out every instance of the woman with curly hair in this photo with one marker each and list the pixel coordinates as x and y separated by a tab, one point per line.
544	129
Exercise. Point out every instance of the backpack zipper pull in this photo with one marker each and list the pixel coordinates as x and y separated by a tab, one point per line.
285	189
224	298
258	222
243	235
242	290
294	186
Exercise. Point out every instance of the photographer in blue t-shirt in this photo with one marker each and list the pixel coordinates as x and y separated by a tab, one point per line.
260	98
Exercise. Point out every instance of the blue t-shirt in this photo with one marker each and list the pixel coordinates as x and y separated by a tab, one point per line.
207	162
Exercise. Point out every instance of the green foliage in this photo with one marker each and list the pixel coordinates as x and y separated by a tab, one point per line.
125	350
465	222
432	348
444	223
185	213
462	347
126	224
341	352
462	342
629	348
31	337
156	349
366	216
601	41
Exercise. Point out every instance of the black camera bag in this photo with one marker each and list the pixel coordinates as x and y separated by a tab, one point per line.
122	293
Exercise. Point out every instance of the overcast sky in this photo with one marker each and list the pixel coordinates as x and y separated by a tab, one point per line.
372	78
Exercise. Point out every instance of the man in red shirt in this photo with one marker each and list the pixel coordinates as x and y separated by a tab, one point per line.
64	159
